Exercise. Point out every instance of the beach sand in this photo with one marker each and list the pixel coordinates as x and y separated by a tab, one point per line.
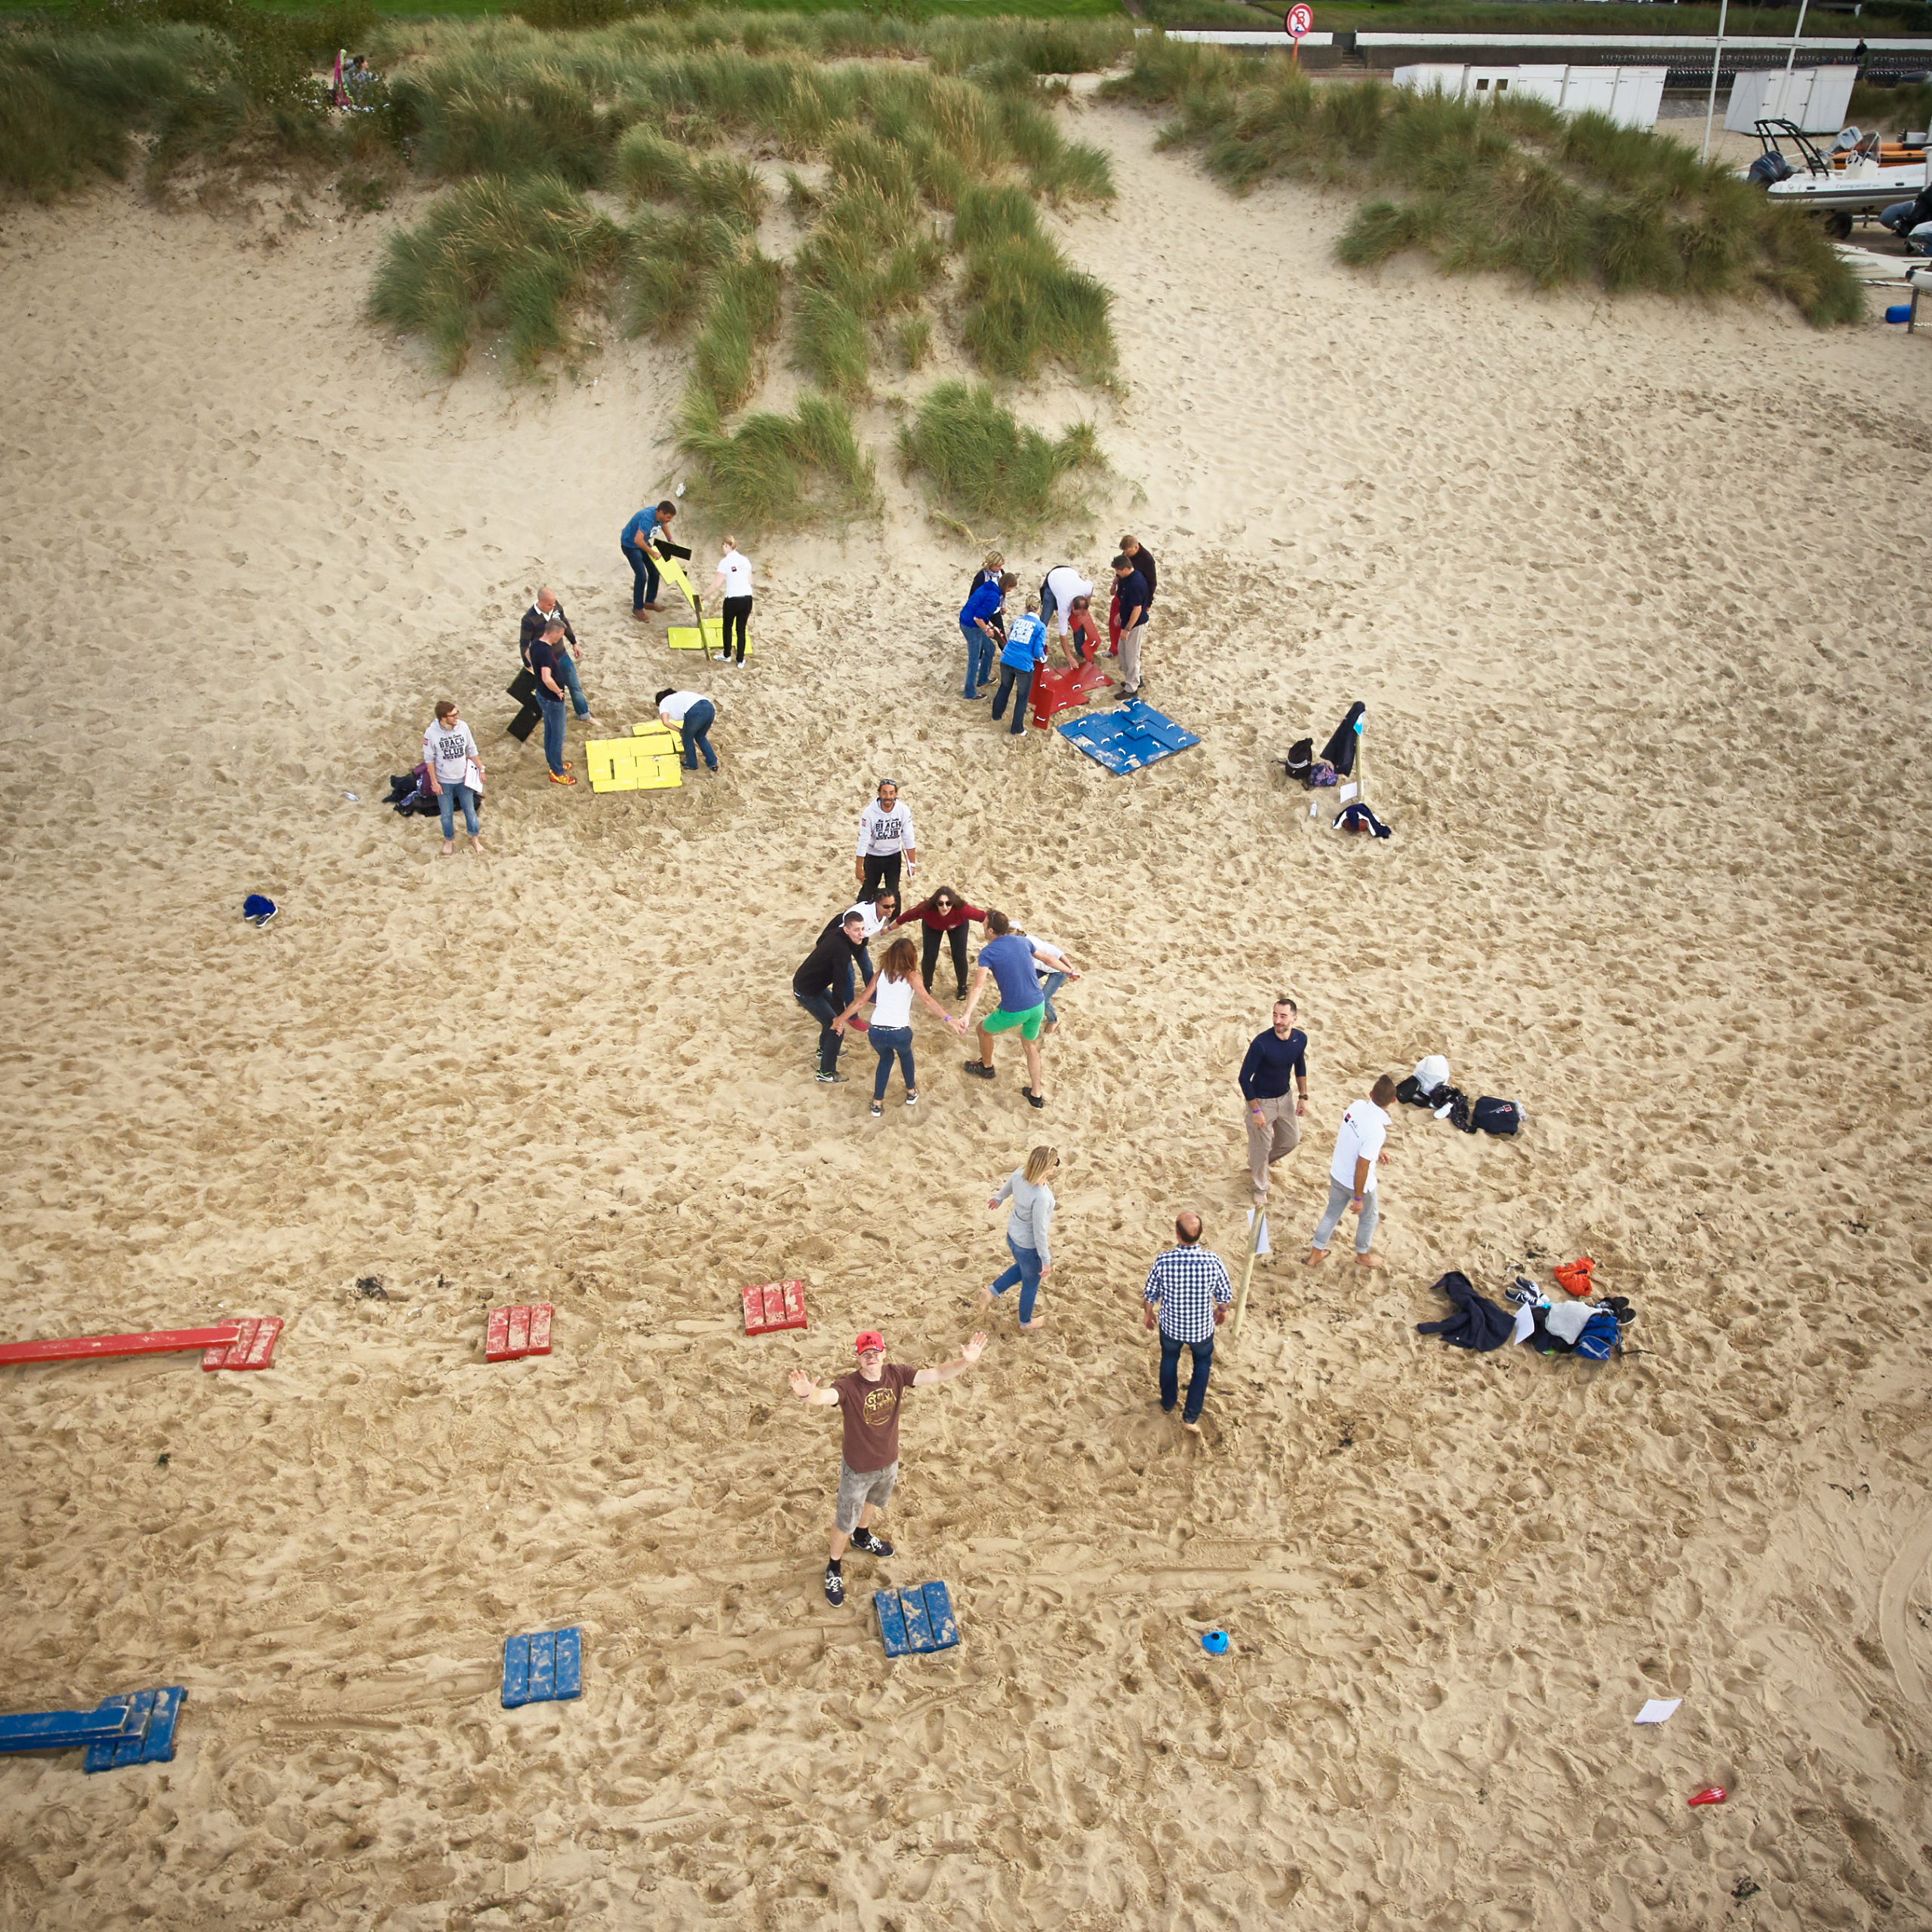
1628	588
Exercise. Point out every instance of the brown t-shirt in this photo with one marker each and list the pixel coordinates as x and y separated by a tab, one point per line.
871	1410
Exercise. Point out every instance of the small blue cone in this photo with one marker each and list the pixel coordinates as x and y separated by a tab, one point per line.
1215	1643
258	909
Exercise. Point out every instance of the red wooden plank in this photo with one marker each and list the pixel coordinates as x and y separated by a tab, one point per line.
540	1312
754	1311
261	1349
85	1348
775	1306
519	1341
497	1338
795	1304
233	1355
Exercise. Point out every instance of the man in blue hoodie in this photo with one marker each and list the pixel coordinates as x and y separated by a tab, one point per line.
976	618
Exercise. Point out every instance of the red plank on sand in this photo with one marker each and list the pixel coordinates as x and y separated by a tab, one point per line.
774	1306
519	1341
517	1331
253	1345
539	1328
795	1304
158	1342
496	1337
754	1311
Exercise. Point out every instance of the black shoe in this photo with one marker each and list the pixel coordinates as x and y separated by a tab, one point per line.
834	1586
960	995
978	1071
872	1546
832	1079
1034	1100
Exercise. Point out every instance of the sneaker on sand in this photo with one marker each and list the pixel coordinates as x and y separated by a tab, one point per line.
978	1071
831	1079
561	778
872	1546
834	1586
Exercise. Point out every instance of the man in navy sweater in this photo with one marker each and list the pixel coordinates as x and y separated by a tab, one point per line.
1274	1058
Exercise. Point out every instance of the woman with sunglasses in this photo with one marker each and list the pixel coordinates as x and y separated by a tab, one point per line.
944	914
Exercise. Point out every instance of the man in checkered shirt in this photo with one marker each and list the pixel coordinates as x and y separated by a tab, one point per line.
1189	1289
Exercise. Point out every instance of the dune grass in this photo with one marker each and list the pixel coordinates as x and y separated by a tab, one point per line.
778	472
496	256
981	462
1507	186
1025	303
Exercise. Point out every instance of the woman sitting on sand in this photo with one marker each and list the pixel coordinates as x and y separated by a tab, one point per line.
891	989
1026	1232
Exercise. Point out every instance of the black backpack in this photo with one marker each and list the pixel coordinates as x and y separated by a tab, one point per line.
1495	1116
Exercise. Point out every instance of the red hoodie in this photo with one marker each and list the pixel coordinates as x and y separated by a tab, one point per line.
940	922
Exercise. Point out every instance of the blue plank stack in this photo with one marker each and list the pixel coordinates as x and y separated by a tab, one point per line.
544	1667
914	1620
136	1728
1128	738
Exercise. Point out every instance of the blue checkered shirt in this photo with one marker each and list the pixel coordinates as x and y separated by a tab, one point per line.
1187	1282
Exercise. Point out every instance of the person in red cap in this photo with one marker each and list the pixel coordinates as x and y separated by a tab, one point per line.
869	1465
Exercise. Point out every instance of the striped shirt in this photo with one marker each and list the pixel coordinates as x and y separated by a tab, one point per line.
1187	1282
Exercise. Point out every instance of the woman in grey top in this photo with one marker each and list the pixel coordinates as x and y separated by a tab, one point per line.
1026	1231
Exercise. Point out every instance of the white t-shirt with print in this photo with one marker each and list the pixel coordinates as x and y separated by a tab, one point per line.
736	567
1365	1127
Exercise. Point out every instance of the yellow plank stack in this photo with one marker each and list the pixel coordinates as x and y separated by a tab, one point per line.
647	761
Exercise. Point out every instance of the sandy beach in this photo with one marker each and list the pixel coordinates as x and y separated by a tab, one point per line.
1628	589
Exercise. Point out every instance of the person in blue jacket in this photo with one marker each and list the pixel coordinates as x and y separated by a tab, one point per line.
1025	652
643	540
977	617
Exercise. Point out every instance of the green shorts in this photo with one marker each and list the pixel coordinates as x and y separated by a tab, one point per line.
1028	1021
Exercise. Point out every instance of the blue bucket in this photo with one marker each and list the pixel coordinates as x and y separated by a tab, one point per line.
1899	311
1215	1643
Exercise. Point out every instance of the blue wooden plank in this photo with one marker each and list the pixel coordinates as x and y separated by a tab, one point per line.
516	1671
543	1666
54	1730
140	1714
912	1607
157	1747
939	1616
1128	739
570	1663
891	1622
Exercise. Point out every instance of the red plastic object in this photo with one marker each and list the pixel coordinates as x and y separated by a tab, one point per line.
1060	689
774	1306
253	1345
1712	1794
159	1342
515	1332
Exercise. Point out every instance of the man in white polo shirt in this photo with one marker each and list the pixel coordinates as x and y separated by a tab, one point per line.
1063	584
1358	1153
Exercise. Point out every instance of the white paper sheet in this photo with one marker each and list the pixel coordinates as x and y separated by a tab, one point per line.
1658	1709
1261	1247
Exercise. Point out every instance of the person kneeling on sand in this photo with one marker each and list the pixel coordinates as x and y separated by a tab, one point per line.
1358	1153
456	773
868	1463
1008	957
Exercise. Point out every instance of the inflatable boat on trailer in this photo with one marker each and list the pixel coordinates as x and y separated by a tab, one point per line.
1859	173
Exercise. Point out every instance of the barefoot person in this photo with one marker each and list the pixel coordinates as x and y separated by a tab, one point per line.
1007	956
1358	1153
890	1030
1026	1231
1187	1294
456	773
1275	1058
944	915
868	1463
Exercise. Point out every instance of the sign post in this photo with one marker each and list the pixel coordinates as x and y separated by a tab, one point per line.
1300	19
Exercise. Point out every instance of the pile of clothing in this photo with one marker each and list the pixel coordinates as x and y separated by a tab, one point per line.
1338	755
1586	1326
1428	1087
410	795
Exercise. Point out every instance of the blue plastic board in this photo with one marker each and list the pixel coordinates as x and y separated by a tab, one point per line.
891	1622
570	1663
919	1631
147	1731
543	1666
516	1671
1128	738
56	1731
939	1616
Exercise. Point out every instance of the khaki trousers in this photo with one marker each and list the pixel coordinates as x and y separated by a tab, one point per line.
1279	1133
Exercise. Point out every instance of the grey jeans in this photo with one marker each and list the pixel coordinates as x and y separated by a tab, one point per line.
858	1487
1130	655
1339	1194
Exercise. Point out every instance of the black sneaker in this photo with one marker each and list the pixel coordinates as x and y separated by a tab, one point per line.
978	1071
872	1546
834	1586
831	1079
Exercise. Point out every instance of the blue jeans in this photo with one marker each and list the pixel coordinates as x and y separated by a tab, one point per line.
1197	1380
644	576
697	722
978	658
450	796
822	1009
1054	982
566	676
552	709
888	1041
1008	678
1026	1273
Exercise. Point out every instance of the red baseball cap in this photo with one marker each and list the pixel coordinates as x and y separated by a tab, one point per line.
871	1338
